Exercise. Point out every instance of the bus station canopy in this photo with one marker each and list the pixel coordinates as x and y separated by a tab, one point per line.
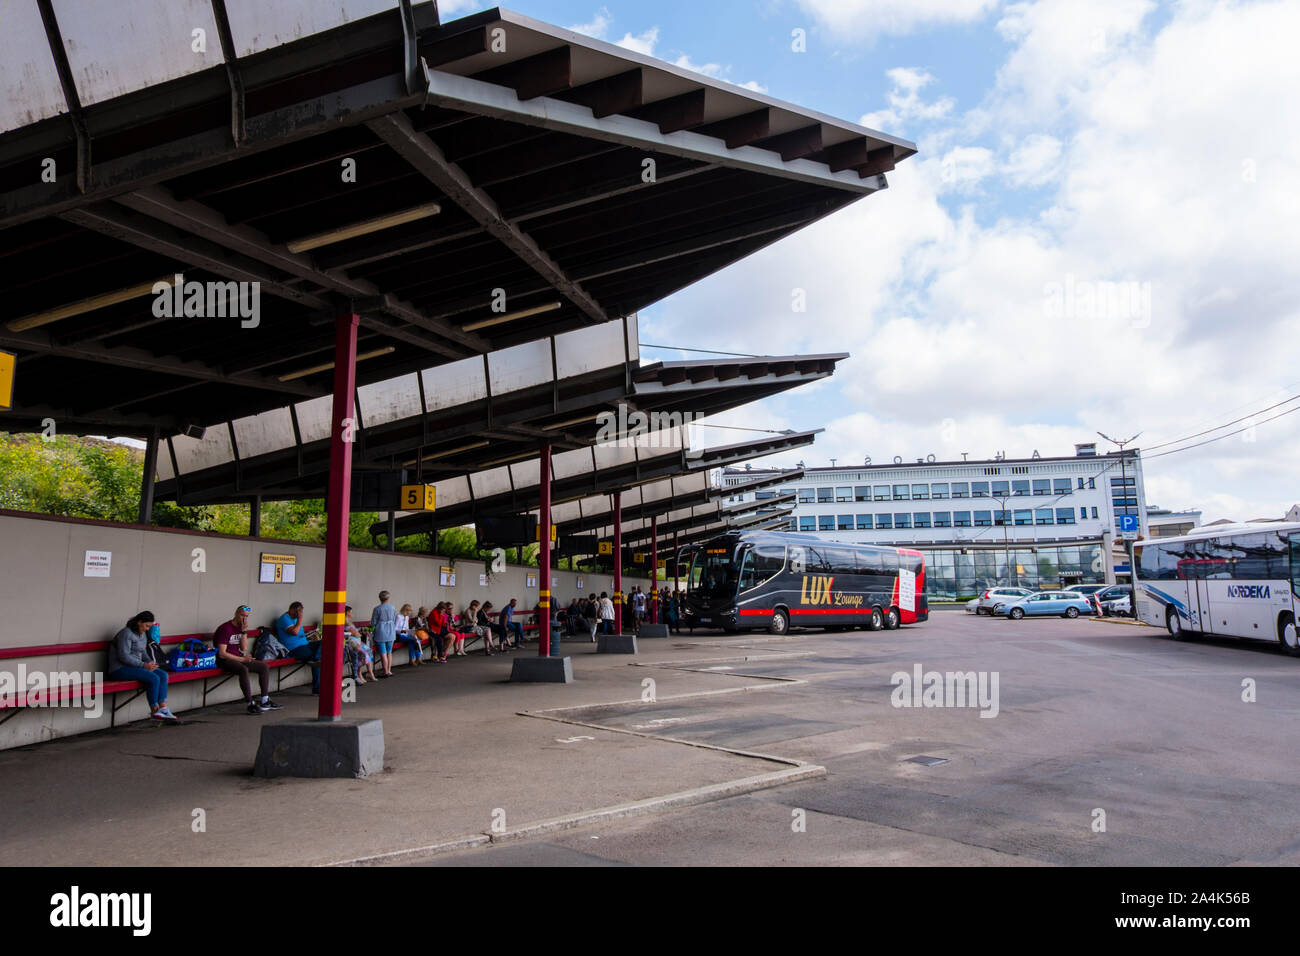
570	390
465	187
658	499
582	473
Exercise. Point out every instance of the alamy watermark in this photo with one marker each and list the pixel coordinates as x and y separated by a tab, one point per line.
1127	301
72	689
622	428
951	689
208	300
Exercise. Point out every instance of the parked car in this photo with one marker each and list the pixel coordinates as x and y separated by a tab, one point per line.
1116	599
1086	589
998	595
972	606
1062	603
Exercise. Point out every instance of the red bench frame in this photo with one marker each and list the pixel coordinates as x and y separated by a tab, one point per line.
115	687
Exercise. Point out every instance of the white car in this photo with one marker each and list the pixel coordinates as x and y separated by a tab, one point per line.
999	595
972	606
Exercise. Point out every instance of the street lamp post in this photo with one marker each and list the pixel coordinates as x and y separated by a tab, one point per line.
1006	542
1123	470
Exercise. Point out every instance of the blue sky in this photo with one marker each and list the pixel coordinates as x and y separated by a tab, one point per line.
1098	233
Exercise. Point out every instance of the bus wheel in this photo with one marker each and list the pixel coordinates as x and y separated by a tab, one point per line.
1174	624
1286	633
891	619
876	621
780	622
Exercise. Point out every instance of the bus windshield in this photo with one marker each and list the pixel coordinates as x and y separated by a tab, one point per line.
714	572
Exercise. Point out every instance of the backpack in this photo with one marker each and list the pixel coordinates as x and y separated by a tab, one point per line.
154	653
267	647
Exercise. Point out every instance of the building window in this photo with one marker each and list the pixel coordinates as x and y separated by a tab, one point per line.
1083	512
864	522
764	495
844	494
880	492
921	519
1020	488
920	492
960	489
983	519
1092	482
1001	517
900	492
807	496
844	523
902	521
1042	486
961	519
807	523
1065	516
1060	486
825	494
939	491
1001	489
1023	516
862	493
1019	469
884	522
943	519
826	523
1042	516
992	471
979	489
1081	484
1094	512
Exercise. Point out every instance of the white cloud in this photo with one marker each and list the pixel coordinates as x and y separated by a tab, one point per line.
905	103
708	69
866	19
1185	188
643	42
599	26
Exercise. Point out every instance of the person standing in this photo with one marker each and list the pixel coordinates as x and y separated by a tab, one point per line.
127	661
606	613
290	631
383	624
231	644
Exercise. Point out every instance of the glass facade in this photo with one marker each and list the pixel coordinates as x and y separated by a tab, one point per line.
951	575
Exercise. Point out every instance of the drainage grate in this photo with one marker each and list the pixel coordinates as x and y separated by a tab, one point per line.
925	761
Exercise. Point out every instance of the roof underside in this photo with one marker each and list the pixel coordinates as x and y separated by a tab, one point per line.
525	169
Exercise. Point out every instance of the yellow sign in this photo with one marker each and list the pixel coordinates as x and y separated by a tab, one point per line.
417	497
638	557
277	569
605	547
8	365
537	534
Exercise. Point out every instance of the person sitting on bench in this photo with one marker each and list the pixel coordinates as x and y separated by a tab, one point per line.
127	661
510	626
231	644
406	635
477	625
493	628
293	634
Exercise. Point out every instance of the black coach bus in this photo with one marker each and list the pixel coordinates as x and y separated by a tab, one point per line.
746	580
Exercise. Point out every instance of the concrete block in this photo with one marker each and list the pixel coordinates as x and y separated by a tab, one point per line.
616	644
652	630
321	748
545	670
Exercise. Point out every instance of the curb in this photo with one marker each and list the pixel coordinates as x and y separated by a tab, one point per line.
684	798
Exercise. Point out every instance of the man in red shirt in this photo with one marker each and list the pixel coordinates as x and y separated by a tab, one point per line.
232	656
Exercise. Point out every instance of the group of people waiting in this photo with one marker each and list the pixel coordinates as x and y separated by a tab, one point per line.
445	630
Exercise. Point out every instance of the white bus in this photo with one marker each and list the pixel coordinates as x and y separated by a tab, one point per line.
1235	581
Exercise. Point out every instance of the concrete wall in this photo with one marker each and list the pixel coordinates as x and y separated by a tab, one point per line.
45	597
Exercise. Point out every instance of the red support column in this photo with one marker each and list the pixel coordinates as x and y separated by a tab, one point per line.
337	509
654	569
544	557
618	562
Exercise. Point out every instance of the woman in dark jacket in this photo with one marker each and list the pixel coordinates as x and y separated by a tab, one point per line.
128	660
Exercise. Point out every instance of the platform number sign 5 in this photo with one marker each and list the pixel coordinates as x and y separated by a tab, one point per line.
417	498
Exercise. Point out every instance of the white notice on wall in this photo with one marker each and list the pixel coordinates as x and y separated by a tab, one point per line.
98	564
906	589
482	580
